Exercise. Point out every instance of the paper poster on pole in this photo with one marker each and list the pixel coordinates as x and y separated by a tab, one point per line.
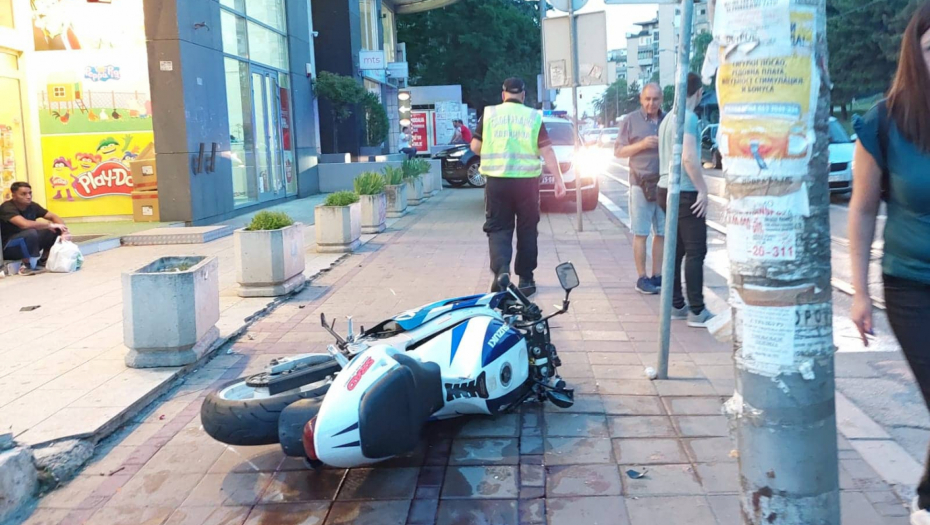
775	340
767	97
759	27
763	228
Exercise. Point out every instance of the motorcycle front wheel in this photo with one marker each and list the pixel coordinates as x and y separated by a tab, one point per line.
239	414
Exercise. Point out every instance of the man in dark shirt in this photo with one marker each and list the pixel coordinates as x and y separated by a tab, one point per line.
22	235
638	141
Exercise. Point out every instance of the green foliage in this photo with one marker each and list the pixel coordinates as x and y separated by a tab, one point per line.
668	98
376	120
864	40
393	176
413	168
699	46
341	198
342	93
369	183
476	44
270	220
617	100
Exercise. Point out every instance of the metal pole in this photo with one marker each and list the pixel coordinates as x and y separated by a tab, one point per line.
674	190
573	38
544	96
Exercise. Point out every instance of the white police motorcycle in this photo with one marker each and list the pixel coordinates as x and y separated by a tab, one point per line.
369	398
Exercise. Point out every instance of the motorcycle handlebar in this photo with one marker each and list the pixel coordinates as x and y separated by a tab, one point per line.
506	284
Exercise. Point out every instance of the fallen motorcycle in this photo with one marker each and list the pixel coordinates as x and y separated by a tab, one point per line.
370	397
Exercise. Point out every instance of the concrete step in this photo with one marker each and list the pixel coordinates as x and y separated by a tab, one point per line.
193	235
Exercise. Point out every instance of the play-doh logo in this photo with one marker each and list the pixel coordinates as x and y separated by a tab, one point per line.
108	178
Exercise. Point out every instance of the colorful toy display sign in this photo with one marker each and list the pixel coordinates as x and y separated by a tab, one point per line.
89	175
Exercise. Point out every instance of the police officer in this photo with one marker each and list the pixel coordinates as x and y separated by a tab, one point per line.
510	138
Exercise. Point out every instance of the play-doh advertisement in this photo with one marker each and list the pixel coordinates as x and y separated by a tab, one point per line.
88	175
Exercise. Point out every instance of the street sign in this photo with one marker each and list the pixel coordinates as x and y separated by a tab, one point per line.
592	50
562	5
398	70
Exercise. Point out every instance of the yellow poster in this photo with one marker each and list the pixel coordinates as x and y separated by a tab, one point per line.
87	175
767	103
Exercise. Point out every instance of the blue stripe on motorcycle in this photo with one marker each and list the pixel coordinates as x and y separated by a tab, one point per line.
457	333
347	445
490	353
349	429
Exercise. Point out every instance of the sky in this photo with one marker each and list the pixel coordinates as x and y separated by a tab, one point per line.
621	19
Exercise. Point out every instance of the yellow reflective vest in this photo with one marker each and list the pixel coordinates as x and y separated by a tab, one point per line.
509	141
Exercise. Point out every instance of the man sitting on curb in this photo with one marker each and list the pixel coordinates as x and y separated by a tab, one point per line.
25	237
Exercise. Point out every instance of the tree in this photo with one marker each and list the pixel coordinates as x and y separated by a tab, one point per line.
618	99
342	93
668	98
476	44
864	39
701	42
376	120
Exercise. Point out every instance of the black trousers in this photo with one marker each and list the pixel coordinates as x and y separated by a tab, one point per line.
691	248
409	152
29	243
512	204
908	309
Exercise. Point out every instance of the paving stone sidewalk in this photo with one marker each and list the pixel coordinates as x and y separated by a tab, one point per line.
539	465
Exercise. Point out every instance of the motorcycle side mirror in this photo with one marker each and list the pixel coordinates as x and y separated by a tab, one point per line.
568	277
561	398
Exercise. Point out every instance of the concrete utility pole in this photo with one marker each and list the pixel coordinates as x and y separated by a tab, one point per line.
573	37
774	94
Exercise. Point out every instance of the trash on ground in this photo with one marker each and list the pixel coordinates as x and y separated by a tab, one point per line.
637	474
29	308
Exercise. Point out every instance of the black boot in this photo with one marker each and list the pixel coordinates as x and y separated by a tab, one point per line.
527	286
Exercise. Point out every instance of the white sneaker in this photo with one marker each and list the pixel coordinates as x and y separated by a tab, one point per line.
918	516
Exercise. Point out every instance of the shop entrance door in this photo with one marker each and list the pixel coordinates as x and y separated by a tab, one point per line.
266	112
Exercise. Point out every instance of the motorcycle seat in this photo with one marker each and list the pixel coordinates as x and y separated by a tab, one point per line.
394	410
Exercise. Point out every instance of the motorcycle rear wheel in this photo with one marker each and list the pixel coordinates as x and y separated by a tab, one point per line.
238	414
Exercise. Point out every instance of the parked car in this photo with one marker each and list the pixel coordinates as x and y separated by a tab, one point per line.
562	133
841	158
608	137
841	154
460	166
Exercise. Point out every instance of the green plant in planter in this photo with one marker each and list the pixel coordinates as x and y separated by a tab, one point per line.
341	198
269	220
413	168
394	176
369	183
376	120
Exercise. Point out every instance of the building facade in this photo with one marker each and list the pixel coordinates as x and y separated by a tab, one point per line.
655	46
616	65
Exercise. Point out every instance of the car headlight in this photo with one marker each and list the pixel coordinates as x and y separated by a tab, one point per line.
457	154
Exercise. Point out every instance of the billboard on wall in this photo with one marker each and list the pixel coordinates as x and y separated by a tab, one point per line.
418	128
94	106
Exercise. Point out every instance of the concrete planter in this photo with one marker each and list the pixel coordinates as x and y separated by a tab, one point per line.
396	200
170	310
338	228
427	185
435	173
415	191
374	212
269	262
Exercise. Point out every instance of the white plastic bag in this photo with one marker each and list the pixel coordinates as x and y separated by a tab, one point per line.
64	257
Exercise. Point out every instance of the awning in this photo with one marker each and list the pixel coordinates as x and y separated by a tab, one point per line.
406	7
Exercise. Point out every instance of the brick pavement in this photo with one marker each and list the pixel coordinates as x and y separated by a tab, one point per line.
540	465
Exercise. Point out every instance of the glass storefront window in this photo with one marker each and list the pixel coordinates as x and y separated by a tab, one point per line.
390	36
369	17
267	47
241	134
238	5
269	12
6	13
235	39
12	137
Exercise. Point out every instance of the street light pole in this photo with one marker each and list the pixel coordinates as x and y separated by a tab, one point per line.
674	189
573	38
544	95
